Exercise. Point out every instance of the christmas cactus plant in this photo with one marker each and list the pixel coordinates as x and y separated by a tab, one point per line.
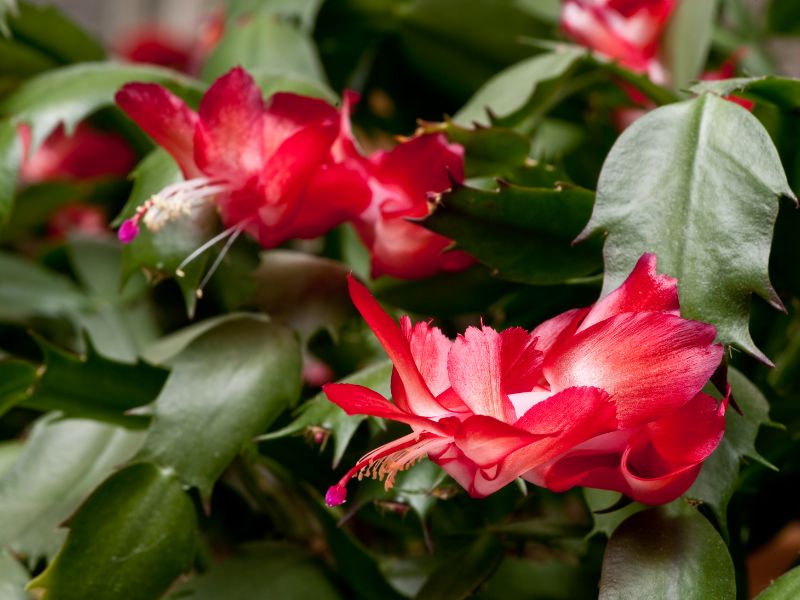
393	299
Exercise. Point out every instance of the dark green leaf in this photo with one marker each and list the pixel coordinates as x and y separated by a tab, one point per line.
697	183
717	480
61	462
537	579
262	570
307	292
16	380
50	32
10	157
435	295
521	85
255	377
488	152
687	39
524	234
133	536
93	386
785	587
781	91
160	253
664	554
264	45
461	575
356	566
321	412
30	290
784	16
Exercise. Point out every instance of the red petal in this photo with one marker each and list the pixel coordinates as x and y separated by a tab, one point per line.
650	363
287	113
486	441
397	348
227	142
475	370
643	290
658	489
688	435
521	360
358	400
335	194
551	331
429	347
283	179
165	118
420	165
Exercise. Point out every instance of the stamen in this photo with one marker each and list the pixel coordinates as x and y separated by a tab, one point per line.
217	261
385	462
174	201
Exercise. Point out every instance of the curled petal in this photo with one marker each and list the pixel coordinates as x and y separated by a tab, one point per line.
643	290
487	441
558	328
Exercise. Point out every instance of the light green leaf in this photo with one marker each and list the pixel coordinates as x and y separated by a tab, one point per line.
61	462
662	553
304	11
29	290
13	578
261	570
255	377
605	522
10	158
514	88
697	183
523	234
785	587
321	412
132	537
687	40
265	45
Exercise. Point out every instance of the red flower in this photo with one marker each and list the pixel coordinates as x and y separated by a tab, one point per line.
85	219
400	182
624	30
607	397
84	154
268	168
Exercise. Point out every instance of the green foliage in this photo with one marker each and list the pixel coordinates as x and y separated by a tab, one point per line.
256	376
663	553
265	569
697	183
267	47
717	481
61	385
60	464
132	537
687	40
463	573
523	234
781	91
320	412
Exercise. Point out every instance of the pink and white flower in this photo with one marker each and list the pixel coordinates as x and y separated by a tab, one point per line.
607	396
